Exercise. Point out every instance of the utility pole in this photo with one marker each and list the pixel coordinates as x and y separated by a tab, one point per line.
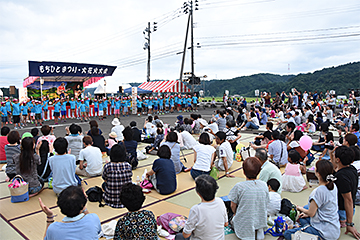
189	8
147	46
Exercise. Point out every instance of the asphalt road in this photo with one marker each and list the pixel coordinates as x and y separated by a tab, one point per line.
106	126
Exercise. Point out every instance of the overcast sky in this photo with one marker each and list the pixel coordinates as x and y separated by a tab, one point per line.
237	37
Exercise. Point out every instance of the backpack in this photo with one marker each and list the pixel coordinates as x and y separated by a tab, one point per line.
95	194
286	207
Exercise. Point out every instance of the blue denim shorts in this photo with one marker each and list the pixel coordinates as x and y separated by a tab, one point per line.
342	214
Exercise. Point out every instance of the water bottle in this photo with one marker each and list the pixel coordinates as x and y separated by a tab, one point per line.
138	180
292	214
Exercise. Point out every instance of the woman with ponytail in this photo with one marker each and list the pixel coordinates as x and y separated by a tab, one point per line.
320	216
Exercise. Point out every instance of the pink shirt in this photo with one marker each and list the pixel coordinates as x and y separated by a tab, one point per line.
49	138
3	142
292	169
272	114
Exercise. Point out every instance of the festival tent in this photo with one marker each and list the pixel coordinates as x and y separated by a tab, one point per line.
55	73
139	91
165	86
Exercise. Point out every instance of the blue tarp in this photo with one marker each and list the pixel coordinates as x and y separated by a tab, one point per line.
139	91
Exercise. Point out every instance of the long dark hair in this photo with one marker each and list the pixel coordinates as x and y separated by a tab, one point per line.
95	131
326	170
26	155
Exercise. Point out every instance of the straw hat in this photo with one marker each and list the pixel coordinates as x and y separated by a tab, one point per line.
115	121
113	135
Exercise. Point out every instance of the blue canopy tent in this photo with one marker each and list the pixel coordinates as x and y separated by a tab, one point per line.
139	91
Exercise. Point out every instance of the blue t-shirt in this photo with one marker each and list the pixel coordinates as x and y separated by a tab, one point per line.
87	103
150	103
112	103
8	106
72	104
155	102
96	105
161	102
117	105
139	103
165	175
3	111
167	100
46	104
146	102
24	110
101	106
194	99
63	169
38	108
16	109
82	107
86	228
63	106
57	107
32	107
105	104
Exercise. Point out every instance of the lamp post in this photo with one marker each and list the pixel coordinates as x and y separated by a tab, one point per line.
41	83
105	87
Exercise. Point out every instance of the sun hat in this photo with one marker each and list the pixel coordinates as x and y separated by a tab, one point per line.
203	122
26	134
113	135
115	121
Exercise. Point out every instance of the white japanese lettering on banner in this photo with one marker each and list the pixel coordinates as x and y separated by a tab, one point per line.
72	69
134	98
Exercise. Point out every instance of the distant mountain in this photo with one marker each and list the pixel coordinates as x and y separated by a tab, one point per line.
340	79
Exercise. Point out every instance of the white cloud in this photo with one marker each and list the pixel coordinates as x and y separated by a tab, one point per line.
109	31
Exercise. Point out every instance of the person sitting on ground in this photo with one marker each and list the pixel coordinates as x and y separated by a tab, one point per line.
93	123
283	123
11	149
136	132
98	139
274	204
149	130
44	170
116	173
293	181
319	216
263	117
263	140
347	183
136	224
130	146
72	203
188	140
93	157
118	129
201	223
232	134
329	145
354	129
3	141
249	201
63	166
277	150
319	146
225	155
187	125
289	133
154	147
204	153
74	139
35	133
26	165
356	164
221	121
268	169
171	140
196	125
46	130
111	141
252	122
163	175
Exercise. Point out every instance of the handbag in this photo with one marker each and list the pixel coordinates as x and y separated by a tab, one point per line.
299	235
146	184
19	190
214	173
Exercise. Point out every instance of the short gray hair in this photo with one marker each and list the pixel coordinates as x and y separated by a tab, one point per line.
261	154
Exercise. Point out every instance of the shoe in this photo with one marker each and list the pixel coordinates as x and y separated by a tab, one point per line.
162	232
15	128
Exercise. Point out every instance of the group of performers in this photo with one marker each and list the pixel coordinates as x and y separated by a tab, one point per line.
35	111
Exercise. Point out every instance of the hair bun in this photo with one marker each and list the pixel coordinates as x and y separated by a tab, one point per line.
330	178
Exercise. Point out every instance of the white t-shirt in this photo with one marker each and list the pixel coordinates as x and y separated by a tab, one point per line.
294	144
93	157
203	225
225	150
255	120
203	157
281	115
188	139
118	129
274	204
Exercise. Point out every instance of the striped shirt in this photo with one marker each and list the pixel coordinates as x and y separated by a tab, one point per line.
115	175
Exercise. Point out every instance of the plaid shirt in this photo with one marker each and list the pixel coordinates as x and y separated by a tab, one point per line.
115	175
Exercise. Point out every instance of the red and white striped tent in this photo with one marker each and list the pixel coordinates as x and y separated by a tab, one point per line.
165	86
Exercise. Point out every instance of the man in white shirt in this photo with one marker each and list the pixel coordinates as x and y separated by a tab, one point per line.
93	157
278	150
188	140
225	153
